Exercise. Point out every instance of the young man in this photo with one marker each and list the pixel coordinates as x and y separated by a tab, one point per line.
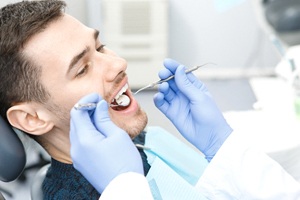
48	61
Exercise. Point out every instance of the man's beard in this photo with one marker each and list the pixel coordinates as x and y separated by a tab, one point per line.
62	113
136	126
132	128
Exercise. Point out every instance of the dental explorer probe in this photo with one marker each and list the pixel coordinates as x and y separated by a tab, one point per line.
151	85
122	101
91	106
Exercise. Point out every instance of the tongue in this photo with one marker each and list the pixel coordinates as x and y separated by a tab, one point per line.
123	100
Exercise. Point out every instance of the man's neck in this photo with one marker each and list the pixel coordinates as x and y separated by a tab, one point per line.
57	144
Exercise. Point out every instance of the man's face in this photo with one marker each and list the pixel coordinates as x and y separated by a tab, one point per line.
74	63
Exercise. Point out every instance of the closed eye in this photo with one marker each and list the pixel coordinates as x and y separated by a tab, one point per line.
101	48
83	70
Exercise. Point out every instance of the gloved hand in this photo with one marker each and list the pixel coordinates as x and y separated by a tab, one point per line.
99	149
187	103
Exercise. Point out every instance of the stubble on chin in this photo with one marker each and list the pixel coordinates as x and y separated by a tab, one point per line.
132	127
136	126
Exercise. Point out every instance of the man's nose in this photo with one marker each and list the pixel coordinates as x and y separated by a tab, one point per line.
112	66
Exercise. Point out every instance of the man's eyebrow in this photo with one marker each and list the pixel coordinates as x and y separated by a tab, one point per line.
76	59
96	34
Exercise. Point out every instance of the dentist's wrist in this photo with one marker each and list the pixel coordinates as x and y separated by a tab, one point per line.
216	144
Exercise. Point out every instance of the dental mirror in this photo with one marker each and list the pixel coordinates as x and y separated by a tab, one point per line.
122	101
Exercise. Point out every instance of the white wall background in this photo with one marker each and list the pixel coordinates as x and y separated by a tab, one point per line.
199	33
230	38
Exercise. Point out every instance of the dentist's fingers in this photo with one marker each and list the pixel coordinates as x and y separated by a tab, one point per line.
171	64
79	117
103	122
169	94
187	83
81	125
160	102
164	73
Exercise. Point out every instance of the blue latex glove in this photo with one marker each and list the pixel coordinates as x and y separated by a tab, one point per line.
187	103
99	149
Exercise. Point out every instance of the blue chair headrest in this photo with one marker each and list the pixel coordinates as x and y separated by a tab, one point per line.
283	15
12	153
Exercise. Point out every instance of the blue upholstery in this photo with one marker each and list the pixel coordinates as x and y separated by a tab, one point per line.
283	15
12	153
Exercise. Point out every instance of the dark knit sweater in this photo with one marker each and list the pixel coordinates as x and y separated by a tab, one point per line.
64	182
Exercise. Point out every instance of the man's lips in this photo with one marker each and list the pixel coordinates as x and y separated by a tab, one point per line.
122	97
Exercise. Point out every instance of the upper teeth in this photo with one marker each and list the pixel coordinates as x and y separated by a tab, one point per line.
121	91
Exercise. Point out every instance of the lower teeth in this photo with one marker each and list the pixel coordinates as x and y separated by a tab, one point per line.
123	100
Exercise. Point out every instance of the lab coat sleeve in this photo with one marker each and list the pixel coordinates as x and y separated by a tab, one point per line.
131	186
239	171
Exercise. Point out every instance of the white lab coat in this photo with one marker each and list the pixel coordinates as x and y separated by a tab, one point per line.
238	171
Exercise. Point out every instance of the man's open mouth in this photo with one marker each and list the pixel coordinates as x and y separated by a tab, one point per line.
121	100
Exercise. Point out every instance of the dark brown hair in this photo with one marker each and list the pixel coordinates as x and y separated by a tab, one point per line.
19	76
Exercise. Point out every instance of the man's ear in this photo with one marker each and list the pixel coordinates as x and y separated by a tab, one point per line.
30	119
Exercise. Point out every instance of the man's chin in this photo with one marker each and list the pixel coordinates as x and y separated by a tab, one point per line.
134	126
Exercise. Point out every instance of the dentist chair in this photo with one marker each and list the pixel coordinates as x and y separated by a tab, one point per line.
12	154
13	162
280	18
